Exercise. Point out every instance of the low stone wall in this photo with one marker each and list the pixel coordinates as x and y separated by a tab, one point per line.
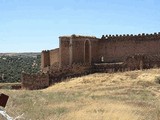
109	67
135	62
54	75
75	70
34	81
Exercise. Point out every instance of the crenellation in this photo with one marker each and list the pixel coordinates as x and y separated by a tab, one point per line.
143	34
151	34
126	36
139	35
155	34
103	37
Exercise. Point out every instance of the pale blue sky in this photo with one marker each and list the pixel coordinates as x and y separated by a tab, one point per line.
35	25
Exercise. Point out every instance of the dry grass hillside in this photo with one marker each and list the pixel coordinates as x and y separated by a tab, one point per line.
101	96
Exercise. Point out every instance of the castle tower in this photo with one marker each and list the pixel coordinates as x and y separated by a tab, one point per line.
77	49
45	59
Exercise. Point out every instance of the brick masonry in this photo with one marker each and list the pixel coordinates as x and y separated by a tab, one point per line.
34	81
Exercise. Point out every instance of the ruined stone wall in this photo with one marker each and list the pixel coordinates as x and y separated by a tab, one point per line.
34	81
151	61
117	48
54	56
70	71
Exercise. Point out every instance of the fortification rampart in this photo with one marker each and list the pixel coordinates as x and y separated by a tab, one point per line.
116	48
126	36
45	59
49	58
34	81
74	70
40	81
54	56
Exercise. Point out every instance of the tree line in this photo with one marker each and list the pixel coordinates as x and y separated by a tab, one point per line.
11	67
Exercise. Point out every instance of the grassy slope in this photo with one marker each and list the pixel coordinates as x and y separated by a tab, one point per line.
119	96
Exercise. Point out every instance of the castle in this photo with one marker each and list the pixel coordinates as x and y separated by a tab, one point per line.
107	49
108	53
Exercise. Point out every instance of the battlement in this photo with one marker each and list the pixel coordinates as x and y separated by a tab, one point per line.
156	34
45	51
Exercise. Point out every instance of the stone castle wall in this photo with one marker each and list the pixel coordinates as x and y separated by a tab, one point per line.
45	59
49	58
117	48
54	56
64	51
34	81
73	50
43	80
113	48
70	71
79	50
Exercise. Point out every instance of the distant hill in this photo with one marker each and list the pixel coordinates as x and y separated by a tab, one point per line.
27	54
13	64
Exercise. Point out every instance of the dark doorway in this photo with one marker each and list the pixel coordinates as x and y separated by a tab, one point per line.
87	52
